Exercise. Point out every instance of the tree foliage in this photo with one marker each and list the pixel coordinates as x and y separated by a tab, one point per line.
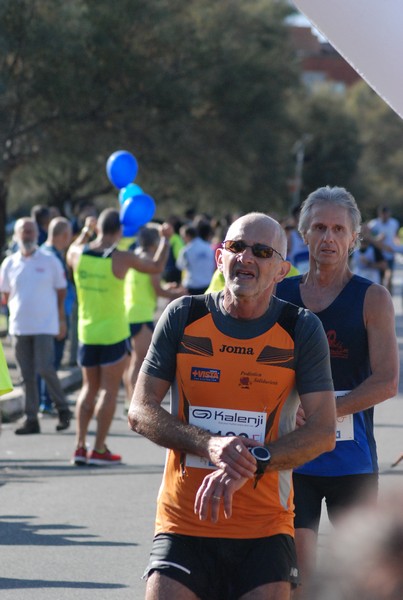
198	91
332	147
380	132
205	94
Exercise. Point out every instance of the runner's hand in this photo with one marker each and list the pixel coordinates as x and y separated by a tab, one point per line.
300	417
232	455
216	487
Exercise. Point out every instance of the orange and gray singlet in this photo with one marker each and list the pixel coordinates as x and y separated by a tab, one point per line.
234	377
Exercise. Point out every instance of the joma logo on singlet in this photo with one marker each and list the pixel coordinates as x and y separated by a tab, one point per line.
236	349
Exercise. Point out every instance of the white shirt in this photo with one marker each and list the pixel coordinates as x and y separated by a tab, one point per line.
32	282
197	260
389	231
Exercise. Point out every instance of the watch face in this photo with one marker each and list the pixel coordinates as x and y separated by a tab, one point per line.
261	453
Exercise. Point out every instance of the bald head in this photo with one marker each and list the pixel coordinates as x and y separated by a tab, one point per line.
261	228
59	233
251	271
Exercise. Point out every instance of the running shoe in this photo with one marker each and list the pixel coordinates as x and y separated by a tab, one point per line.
104	458
80	457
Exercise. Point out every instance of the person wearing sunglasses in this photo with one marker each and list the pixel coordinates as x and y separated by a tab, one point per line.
234	362
358	318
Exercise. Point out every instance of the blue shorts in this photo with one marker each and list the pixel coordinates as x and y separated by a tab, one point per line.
96	355
222	568
135	327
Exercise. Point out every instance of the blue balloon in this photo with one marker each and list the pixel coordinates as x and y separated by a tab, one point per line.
129	231
129	191
137	211
121	168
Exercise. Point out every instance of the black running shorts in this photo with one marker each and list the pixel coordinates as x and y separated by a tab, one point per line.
340	493
219	569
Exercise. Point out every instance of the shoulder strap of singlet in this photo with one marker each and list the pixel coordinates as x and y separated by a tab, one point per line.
288	318
105	253
198	309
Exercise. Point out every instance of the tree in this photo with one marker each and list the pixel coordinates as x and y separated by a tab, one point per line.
332	148
380	132
198	91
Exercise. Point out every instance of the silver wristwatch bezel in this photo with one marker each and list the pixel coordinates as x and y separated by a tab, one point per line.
254	450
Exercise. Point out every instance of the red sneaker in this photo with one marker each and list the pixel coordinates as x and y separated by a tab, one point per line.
104	458
80	457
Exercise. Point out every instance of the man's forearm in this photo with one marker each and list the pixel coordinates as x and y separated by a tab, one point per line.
370	392
161	254
300	446
164	429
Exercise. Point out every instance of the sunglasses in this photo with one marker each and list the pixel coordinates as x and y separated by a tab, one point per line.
258	250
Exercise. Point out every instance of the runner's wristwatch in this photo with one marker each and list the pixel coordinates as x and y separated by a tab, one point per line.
263	457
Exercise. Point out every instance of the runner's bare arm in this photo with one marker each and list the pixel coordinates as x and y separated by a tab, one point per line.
147	417
123	261
383	382
314	436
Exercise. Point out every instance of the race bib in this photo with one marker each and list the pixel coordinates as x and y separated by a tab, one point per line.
344	425
226	422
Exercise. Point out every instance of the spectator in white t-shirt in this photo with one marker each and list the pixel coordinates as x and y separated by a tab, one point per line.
33	284
196	260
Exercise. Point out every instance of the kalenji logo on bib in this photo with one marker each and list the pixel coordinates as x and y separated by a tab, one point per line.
202	374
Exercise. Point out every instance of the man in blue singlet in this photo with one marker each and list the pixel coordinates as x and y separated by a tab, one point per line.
358	318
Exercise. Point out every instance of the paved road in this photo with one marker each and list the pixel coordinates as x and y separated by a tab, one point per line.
69	531
86	532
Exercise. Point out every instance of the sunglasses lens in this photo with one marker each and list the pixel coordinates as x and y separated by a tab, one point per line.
235	246
258	250
261	251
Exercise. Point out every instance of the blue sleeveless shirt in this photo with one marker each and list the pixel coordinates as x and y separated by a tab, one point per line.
343	323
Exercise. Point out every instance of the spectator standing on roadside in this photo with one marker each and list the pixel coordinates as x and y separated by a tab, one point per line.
103	331
358	318
367	260
42	216
232	361
196	261
385	229
297	251
34	286
59	239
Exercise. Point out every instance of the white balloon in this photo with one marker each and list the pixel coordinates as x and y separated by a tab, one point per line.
368	34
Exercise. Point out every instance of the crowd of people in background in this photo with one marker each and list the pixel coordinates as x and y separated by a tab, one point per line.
190	268
79	280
